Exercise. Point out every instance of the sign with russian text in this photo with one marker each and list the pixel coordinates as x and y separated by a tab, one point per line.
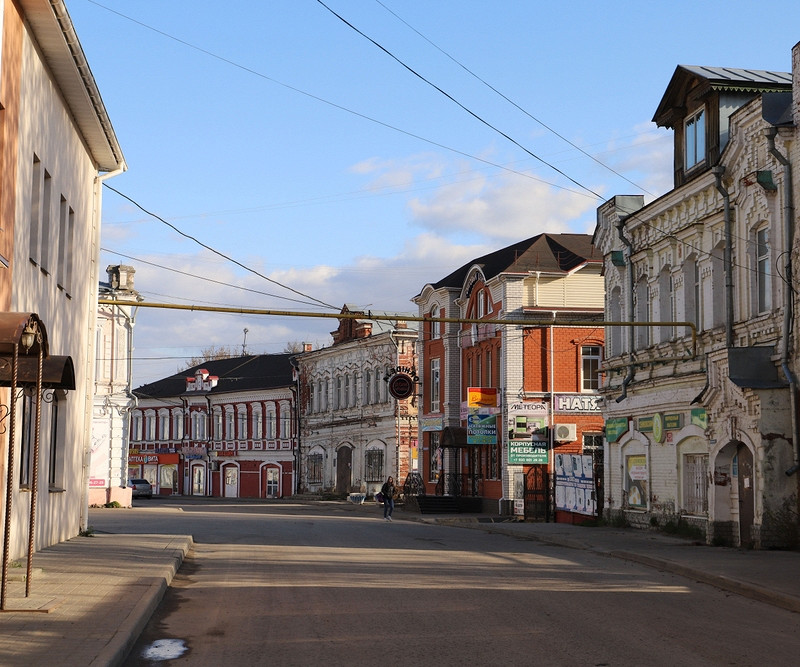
522	452
615	428
481	429
482	397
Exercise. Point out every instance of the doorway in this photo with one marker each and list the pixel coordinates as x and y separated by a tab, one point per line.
231	481
198	480
272	489
344	469
743	471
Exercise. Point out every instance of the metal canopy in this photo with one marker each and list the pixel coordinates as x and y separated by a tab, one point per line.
58	372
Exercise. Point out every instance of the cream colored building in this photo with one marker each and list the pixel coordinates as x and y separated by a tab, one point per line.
702	430
113	396
58	146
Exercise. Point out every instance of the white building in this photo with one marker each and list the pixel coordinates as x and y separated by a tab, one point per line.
702	431
113	398
58	146
354	433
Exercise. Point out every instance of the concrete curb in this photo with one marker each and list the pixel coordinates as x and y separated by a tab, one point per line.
119	646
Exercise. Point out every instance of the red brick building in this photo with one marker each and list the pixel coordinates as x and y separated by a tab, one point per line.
509	366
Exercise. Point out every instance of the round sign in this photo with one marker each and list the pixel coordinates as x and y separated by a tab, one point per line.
401	386
658	427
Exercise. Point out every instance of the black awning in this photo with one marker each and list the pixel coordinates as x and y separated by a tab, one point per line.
57	372
454	436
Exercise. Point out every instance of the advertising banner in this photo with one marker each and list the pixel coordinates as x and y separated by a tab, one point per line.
575	484
481	428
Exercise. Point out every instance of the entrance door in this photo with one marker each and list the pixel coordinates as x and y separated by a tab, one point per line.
231	482
344	466
198	481
273	483
746	481
537	493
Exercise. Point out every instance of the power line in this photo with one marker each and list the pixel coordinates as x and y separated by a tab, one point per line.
217	252
510	101
460	105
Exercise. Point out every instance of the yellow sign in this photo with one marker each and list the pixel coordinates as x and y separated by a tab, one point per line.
482	397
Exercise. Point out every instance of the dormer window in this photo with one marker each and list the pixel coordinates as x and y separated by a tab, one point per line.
695	139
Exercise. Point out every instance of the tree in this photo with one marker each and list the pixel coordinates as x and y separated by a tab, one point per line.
293	347
212	353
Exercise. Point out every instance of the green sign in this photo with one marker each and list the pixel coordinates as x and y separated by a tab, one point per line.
700	418
615	428
525	452
644	424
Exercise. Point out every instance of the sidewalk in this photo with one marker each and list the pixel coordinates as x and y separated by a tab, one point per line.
92	596
90	599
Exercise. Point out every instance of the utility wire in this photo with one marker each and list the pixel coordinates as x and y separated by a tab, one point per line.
460	105
511	102
210	280
343	108
217	252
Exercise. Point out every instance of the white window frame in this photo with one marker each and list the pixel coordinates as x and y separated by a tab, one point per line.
591	355
435	379
763	274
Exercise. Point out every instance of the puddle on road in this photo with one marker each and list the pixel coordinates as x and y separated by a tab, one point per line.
165	649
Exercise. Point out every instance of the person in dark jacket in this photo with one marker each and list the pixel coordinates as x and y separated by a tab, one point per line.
387	491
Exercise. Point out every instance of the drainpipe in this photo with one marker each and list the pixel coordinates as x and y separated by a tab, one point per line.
631	369
788	314
718	171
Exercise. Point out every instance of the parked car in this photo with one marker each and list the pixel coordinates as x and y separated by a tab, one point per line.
141	488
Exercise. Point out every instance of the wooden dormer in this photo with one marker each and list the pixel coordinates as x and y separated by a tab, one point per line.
698	104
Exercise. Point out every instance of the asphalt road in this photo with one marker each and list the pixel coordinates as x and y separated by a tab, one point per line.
293	584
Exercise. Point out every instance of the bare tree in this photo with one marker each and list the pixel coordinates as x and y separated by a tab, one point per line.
212	353
293	347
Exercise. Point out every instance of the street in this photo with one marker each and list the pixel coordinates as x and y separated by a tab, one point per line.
299	584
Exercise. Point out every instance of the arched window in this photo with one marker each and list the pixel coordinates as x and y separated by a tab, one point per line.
257	426
642	313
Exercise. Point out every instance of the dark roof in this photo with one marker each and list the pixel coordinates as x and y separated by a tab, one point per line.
248	373
715	78
551	253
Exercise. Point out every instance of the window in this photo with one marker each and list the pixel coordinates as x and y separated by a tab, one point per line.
217	424
257	427
434	383
36	211
494	461
695	139
642	313
312	398
54	474
666	303
177	424
315	468
242	426
695	485
27	436
150	427
230	424
436	327
367	387
271	424
198	425
763	271
377	386
163	425
286	422
337	394
347	398
435	456
590	367
373	465
480	304
136	426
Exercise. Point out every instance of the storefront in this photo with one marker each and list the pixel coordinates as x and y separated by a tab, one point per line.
161	470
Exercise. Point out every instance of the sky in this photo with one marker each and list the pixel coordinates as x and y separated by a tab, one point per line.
299	155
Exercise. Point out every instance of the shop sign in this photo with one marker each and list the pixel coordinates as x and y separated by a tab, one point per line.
482	397
432	423
138	459
571	403
615	428
644	424
524	452
700	418
481	429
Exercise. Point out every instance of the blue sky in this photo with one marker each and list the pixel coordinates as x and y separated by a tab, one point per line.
278	135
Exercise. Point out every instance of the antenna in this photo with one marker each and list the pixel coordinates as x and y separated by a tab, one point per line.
244	342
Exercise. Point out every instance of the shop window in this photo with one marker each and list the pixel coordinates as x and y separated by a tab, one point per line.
434	456
695	484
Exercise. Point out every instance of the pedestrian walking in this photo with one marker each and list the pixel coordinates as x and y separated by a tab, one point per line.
387	491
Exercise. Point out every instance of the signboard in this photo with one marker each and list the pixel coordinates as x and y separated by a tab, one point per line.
481	429
636	480
700	418
574	486
615	428
482	397
431	423
570	403
401	386
524	452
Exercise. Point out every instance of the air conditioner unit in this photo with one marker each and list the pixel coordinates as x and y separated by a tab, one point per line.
566	432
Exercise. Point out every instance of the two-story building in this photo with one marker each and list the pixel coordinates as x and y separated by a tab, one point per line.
224	428
700	390
509	360
354	432
57	147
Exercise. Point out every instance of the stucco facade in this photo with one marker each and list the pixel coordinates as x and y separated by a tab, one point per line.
700	415
354	433
57	147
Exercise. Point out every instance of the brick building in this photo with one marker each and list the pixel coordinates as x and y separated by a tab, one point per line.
225	428
531	355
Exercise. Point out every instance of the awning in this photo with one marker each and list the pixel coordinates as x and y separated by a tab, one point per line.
58	372
454	436
13	325
753	368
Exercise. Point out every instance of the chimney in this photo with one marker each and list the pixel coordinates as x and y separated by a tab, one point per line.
306	347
